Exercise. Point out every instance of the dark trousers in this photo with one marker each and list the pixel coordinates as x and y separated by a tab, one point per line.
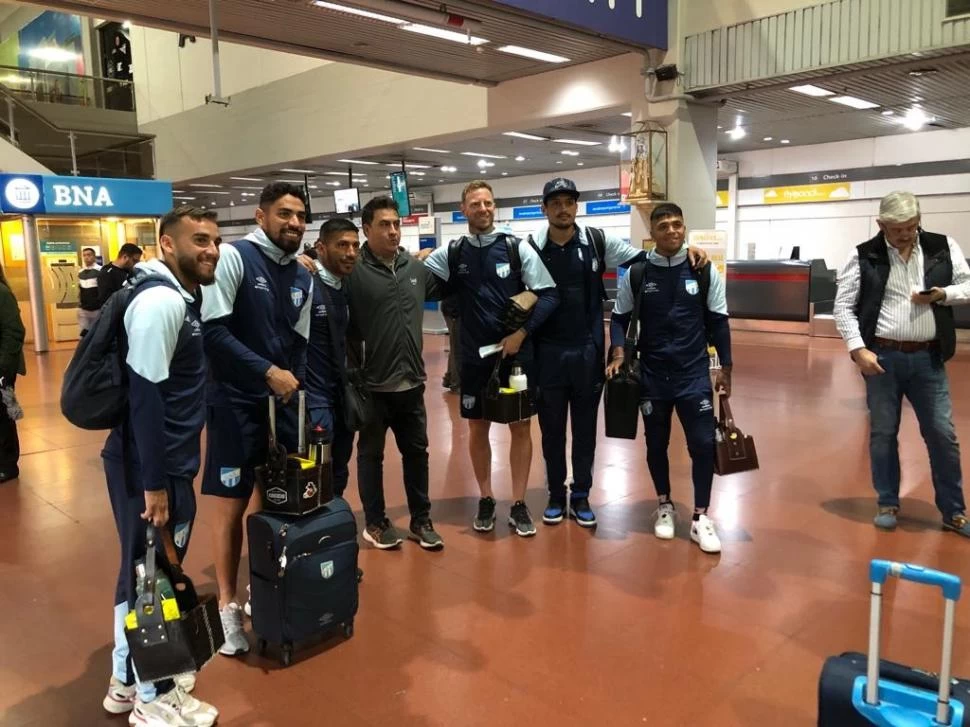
127	505
570	384
693	401
9	439
404	413
452	375
921	378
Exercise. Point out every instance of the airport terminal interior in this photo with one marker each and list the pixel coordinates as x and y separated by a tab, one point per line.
782	130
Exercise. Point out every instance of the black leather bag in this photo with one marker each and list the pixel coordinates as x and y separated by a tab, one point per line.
358	402
621	398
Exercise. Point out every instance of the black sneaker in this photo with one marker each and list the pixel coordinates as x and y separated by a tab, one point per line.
424	533
581	512
555	511
485	520
521	520
383	536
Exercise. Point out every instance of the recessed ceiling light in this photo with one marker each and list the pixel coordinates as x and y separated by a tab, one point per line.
247	187
186	199
245	179
520	135
214	186
213	192
486	156
411	166
919	72
418	174
520	158
334	184
916	119
449	169
298	171
433	151
888	112
357	161
482	164
719	127
768	138
579	164
355	11
737	132
440	180
810	90
443	34
518	50
578	142
559	162
505	174
785	141
628	114
855	103
569	153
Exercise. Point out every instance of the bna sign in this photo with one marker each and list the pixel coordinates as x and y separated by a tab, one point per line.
34	194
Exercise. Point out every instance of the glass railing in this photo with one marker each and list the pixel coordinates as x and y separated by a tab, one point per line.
29	84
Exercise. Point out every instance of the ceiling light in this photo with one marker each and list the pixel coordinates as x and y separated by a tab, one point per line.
433	151
520	135
518	50
628	114
853	102
212	192
411	166
785	141
918	72
357	161
617	144
485	156
298	171
333	184
54	55
452	35
418	174
177	191
578	142
559	162
810	90
768	138
247	187
520	158
915	119
126	25
737	132
449	169
440	180
184	198
579	164
719	127
570	153
246	179
888	112
355	11
482	164
215	186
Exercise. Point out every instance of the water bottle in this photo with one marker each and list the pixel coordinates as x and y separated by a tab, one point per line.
518	380
319	445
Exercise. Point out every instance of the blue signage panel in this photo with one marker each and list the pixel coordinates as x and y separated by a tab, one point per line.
527	213
458	217
641	22
612	207
33	194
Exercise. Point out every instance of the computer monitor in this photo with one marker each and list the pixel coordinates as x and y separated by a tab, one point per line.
346	201
399	191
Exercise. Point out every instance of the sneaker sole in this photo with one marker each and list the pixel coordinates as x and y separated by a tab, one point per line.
426	546
552	520
583	523
890	528
235	652
114	706
380	546
665	536
484	529
950	528
705	550
521	533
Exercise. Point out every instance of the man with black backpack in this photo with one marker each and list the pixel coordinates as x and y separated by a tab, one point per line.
679	312
569	347
153	454
486	268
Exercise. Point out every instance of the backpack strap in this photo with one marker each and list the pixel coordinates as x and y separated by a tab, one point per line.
597	240
515	257
637	273
454	257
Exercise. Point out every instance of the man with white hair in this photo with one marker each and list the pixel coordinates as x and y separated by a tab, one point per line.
893	310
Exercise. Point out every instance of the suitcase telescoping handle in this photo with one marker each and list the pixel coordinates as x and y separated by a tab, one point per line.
879	571
301	421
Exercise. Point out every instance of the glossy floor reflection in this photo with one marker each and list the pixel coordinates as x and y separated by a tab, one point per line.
571	628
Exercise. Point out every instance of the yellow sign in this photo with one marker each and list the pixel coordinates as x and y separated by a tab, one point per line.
801	194
722	198
714	243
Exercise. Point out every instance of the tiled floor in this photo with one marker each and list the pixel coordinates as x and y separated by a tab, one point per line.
571	628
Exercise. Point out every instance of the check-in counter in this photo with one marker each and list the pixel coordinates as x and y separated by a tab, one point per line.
778	295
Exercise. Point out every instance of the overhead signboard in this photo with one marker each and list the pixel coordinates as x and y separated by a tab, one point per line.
102	196
640	22
607	208
805	193
527	213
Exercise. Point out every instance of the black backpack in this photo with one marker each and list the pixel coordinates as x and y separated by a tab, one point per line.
94	394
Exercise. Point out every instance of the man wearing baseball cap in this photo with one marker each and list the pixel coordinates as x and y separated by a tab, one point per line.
569	347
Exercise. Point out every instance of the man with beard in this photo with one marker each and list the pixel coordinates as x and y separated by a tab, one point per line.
87	283
151	460
489	268
570	356
257	321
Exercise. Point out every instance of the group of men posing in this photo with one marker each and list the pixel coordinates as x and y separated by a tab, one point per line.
270	321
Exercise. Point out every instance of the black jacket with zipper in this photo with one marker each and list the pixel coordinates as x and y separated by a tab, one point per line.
387	317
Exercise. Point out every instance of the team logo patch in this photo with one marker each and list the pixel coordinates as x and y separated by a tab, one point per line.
326	570
650	287
321	311
463	269
262	284
182	534
468	402
310	492
230	476
647	408
596	265
503	269
706	405
692	287
296	295
277	495
414	281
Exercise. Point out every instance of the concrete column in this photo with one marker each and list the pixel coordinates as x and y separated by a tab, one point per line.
35	284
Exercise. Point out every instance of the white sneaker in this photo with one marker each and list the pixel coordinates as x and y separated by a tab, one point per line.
195	711
119	699
663	528
248	608
703	533
232	628
186	682
175	709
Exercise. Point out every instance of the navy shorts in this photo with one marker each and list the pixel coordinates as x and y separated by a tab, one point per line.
474	380
237	441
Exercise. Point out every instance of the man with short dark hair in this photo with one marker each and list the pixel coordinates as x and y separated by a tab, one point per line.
490	268
681	313
151	460
87	283
113	276
257	322
893	310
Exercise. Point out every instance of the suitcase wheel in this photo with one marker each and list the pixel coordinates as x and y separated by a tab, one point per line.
261	647
360	575
349	629
286	654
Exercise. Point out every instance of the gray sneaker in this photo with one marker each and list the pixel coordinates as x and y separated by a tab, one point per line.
383	535
423	532
886	518
521	520
485	519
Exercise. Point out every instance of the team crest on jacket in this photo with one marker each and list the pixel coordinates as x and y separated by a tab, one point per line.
296	295
692	287
503	269
596	265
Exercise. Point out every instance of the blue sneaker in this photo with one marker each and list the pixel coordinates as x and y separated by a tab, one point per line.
581	512
555	511
886	518
958	523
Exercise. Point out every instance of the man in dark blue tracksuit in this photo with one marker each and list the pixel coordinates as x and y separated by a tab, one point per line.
676	326
151	460
336	254
485	278
257	322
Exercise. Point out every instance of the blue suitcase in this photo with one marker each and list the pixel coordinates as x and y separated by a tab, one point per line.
855	689
303	575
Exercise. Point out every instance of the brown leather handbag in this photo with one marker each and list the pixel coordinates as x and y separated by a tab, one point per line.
734	451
